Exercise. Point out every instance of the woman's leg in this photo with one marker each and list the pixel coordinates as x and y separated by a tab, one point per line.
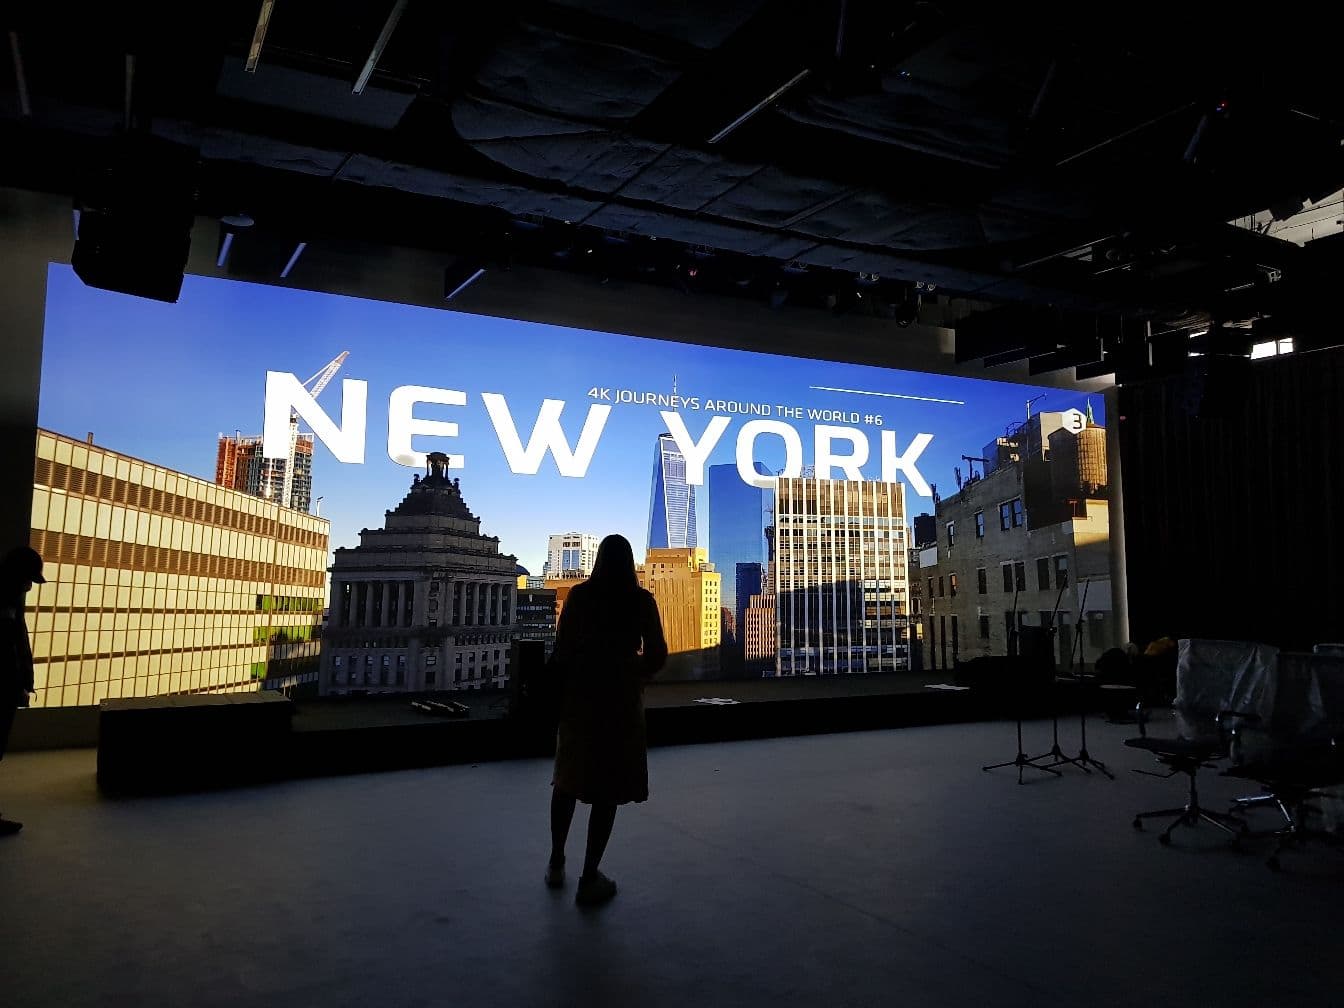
562	814
600	821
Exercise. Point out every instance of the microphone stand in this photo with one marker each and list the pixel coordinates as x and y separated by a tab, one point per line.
1020	760
1055	751
1084	758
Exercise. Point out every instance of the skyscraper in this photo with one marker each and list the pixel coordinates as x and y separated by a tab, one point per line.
737	520
840	576
671	499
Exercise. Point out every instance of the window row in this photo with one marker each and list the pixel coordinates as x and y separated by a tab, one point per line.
1011	515
1052	574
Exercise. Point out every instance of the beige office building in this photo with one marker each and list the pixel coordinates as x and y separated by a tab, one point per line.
686	588
159	582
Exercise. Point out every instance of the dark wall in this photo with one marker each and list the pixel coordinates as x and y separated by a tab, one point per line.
1234	503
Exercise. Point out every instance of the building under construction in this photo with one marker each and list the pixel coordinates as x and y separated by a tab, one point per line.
240	463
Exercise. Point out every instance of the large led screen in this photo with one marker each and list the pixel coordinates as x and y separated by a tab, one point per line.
260	486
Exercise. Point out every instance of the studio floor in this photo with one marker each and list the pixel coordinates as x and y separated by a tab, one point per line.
871	868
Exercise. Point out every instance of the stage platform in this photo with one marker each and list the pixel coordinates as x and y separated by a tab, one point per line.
357	734
331	736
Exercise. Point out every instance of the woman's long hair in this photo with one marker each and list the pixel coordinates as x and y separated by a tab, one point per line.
614	568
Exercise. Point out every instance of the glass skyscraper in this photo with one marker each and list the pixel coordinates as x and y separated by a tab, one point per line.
671	499
737	520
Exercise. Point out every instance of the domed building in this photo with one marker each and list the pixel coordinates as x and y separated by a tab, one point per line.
425	603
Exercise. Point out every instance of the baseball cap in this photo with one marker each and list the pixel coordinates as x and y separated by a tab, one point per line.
25	562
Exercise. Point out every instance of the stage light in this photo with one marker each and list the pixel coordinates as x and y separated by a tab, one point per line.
298	251
378	46
225	243
259	36
459	277
765	102
230	224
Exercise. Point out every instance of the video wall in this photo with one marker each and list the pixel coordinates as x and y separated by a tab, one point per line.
221	480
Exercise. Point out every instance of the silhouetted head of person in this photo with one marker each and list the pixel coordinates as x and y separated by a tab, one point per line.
615	564
20	569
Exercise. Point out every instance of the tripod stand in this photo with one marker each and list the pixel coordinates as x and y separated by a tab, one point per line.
1056	753
1021	761
1084	759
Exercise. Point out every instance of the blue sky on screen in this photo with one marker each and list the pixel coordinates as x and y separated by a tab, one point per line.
162	381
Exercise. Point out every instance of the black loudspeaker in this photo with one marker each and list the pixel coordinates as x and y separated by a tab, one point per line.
1033	667
1035	650
527	678
136	208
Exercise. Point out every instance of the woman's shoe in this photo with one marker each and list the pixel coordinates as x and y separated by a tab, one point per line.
594	890
555	875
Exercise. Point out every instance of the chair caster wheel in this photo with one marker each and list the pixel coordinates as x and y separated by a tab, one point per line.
1138	823
1164	840
1273	864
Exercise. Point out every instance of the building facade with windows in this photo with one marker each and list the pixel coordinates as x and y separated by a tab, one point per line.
535	616
1009	568
569	553
162	583
840	570
425	603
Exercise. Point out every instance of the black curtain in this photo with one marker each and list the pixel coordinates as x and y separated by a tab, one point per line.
1234	501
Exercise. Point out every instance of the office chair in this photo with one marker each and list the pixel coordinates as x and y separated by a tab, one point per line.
1293	781
1302	756
1219	685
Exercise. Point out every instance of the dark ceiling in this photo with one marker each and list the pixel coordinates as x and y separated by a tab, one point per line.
1066	171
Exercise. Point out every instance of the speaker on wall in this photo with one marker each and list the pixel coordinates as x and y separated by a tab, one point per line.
136	208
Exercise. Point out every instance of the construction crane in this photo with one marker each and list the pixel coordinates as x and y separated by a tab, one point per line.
318	382
323	378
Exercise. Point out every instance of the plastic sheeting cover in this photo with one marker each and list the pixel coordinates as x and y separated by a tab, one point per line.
1214	676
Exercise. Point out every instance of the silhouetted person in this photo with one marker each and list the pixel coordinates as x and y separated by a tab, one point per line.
609	642
19	570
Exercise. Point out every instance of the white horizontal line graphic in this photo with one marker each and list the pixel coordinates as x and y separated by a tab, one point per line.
887	395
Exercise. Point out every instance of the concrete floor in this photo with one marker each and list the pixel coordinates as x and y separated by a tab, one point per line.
877	868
